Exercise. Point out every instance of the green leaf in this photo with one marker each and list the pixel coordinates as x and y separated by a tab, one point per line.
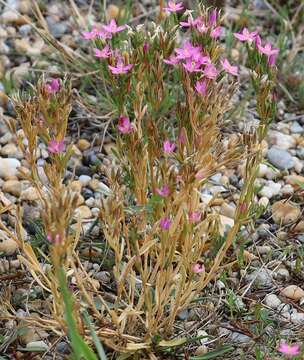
98	344
214	353
80	348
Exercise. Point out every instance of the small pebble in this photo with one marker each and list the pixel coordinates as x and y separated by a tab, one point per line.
272	301
280	158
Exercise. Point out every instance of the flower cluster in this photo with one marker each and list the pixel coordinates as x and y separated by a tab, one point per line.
117	64
194	58
246	36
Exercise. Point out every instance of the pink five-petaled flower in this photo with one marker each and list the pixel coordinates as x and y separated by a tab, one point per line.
268	50
169	147
89	35
192	65
104	53
112	27
165	223
245	35
210	71
173	60
233	70
174	7
289	350
56	240
53	86
201	87
198	268
194	216
124	125
120	67
216	32
164	191
188	51
103	34
56	147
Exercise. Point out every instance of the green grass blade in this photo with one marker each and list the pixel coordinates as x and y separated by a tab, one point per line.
97	343
80	348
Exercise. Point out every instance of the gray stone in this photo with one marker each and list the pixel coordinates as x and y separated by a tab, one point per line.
8	167
280	158
272	301
57	29
25	29
297	318
183	315
62	347
260	4
240	338
300	153
260	278
296	128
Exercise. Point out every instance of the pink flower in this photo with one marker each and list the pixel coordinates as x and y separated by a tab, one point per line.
233	70
216	32
172	60
56	147
192	65
268	50
124	125
198	268
188	51
104	53
201	87
245	35
203	59
112	27
272	59
289	350
120	67
56	240
202	27
164	191
258	40
212	17
104	34
191	22
53	86
210	71
173	7
194	216
165	223
89	35
169	147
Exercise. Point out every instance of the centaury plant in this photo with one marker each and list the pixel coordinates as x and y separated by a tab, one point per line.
170	87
